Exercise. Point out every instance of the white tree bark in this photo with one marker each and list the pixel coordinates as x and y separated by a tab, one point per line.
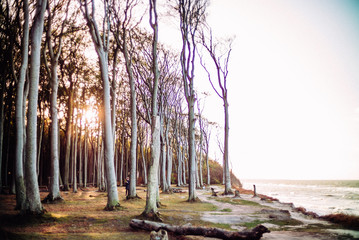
54	82
169	166
101	43
32	188
19	116
163	157
74	186
152	187
191	14
192	195
133	147
221	73
68	138
86	155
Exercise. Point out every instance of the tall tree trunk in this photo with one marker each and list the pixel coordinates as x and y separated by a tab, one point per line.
133	147
1	130
163	161
179	166
200	158
122	157
75	155
152	197
152	187
144	164
54	138
192	196
86	155
132	192
19	117
228	185
39	146
94	178
68	138
32	188
102	53
197	172
80	155
208	172
169	166
99	160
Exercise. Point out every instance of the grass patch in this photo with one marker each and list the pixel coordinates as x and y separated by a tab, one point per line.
226	210
280	223
252	224
238	201
225	226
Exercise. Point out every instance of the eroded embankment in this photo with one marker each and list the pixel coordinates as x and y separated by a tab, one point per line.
284	221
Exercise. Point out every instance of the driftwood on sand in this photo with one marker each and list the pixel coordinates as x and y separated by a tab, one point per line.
254	234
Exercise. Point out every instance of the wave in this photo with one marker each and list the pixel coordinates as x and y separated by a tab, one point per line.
322	197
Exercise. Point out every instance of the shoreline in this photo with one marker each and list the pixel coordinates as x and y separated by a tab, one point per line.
347	221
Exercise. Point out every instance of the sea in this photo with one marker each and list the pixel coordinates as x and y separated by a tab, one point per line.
320	196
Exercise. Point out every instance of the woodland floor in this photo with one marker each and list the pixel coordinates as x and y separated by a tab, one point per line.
82	216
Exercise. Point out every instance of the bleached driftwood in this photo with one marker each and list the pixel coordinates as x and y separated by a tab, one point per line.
255	234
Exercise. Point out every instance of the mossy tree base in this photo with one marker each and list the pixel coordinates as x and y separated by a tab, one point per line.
29	212
129	198
195	200
229	192
53	200
152	216
113	207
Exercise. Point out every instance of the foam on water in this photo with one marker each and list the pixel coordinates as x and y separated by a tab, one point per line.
321	197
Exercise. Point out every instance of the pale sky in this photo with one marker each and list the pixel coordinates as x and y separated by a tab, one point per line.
293	87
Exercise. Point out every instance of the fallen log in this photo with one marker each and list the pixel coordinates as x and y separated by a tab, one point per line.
255	234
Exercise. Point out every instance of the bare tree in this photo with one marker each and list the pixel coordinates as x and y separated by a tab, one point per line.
54	83
101	43
191	15
220	61
32	187
122	32
207	136
151	210
19	170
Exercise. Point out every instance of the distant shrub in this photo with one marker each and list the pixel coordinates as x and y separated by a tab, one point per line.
216	173
347	221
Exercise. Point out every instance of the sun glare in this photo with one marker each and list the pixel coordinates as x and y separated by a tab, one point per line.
90	116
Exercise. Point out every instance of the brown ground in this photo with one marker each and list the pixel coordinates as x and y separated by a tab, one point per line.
82	216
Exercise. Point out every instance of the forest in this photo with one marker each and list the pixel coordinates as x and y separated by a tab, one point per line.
90	96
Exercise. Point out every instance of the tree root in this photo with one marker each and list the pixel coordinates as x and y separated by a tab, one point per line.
113	207
196	200
230	192
51	199
129	198
153	216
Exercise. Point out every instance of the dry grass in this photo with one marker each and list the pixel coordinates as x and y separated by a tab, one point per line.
347	221
82	216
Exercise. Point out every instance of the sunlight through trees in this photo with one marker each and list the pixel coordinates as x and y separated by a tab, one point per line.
101	99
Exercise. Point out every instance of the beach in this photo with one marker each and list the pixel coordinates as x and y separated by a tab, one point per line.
82	216
283	220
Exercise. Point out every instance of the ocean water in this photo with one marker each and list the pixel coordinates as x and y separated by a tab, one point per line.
320	196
